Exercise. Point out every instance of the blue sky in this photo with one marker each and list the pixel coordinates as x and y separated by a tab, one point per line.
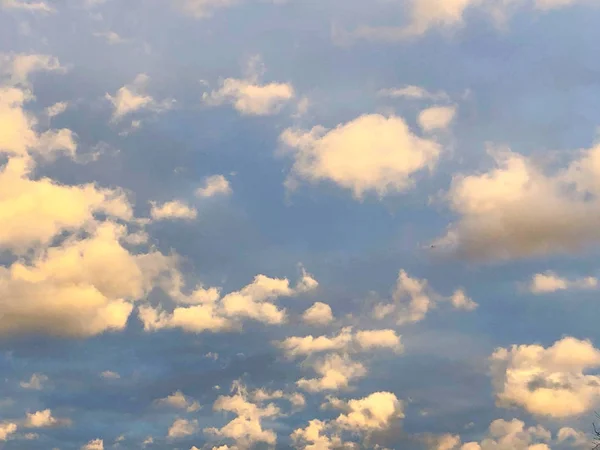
317	225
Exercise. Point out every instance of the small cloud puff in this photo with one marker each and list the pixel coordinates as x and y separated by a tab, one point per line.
214	185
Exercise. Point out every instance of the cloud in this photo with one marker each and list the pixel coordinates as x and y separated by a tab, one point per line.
315	437
81	288
172	210
44	419
182	428
95	444
516	210
248	96
108	374
19	66
374	412
547	381
542	283
436	118
318	314
414	92
56	109
110	37
7	429
246	429
179	401
214	185
413	299
132	98
19	136
254	301
371	153
201	9
35	382
335	373
295	346
26	5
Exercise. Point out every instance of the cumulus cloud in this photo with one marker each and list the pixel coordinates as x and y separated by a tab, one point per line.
35	382
44	419
542	283
548	381
7	429
132	98
346	341
371	153
246	428
81	288
215	313
179	401
214	185
436	118
182	428
414	298
172	210
318	314
315	436
374	412
19	66
56	109
248	96
335	372
517	210
95	444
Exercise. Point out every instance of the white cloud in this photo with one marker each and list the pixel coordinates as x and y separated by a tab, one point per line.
371	153
250	97
19	66
548	381
413	299
373	339
179	401
82	288
172	210
214	185
182	428
95	444
35	382
27	5
110	37
56	109
203	8
132	98
44	419
109	374
436	118
6	429
246	429
414	92
547	282
335	373
374	412
213	313
315	436
318	314
516	210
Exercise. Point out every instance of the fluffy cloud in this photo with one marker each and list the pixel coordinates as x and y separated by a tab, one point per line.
95	444
175	209
318	314
345	341
254	301
517	210
436	118
374	412
548	381
44	419
246	429
80	288
6	429
315	437
371	153
335	373
214	185
182	428
19	66
542	283
413	299
179	401
132	98
414	92
248	96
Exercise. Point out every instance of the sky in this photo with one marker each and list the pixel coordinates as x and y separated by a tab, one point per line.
286	224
